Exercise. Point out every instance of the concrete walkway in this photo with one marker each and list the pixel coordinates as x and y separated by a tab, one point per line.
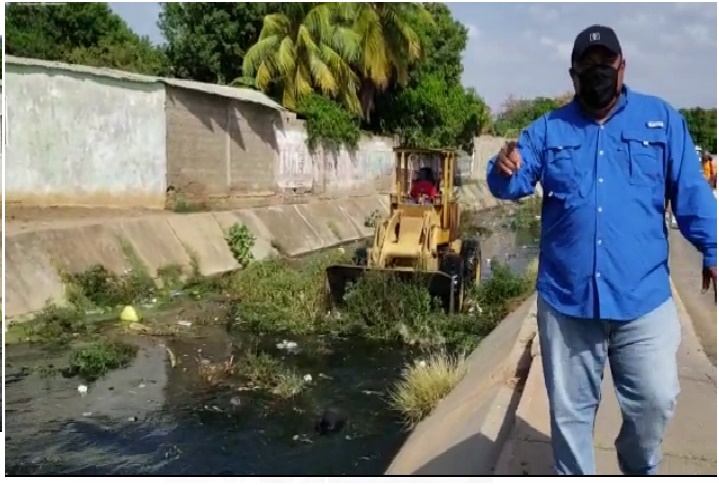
690	446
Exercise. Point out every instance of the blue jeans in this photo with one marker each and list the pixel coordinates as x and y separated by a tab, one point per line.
642	359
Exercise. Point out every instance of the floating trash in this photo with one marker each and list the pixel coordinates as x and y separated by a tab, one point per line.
129	314
82	389
307	378
330	421
184	323
286	345
87	414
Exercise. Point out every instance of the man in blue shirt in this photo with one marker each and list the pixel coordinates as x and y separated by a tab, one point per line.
608	162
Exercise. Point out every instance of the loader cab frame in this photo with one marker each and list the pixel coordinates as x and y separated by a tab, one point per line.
443	163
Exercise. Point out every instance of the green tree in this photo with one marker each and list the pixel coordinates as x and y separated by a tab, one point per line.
303	49
702	124
433	109
439	114
517	114
389	44
207	42
79	32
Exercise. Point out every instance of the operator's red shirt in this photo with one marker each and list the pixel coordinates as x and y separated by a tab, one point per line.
423	187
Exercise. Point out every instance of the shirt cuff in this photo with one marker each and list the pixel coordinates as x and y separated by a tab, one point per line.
710	256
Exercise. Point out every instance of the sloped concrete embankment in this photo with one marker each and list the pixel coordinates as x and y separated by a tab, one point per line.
465	433
34	258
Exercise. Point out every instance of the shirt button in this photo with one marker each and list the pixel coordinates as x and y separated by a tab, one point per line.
601	152
598	274
601	180
601	127
599	209
599	242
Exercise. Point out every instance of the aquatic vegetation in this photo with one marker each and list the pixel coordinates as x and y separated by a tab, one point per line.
424	383
288	383
215	373
96	360
54	324
279	295
240	241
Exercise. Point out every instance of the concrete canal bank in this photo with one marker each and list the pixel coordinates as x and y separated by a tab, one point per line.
35	255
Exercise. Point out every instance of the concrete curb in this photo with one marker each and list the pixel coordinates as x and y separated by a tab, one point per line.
467	428
690	337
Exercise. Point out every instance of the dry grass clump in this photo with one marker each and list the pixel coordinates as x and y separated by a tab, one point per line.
423	384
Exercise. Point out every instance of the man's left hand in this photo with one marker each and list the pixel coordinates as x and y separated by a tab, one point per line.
709	275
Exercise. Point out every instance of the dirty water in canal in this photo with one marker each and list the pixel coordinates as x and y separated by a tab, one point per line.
159	417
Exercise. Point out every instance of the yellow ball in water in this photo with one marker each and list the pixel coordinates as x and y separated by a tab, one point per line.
129	314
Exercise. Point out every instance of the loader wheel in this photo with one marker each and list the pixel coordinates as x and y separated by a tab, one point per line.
360	257
453	265
472	257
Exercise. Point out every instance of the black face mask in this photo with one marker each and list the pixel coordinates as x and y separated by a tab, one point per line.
598	86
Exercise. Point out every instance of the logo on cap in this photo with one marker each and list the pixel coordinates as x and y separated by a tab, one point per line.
594	36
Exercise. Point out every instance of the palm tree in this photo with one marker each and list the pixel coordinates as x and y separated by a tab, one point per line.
303	48
388	43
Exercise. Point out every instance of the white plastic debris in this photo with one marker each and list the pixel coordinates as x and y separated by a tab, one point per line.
308	378
87	414
286	345
184	323
82	389
421	363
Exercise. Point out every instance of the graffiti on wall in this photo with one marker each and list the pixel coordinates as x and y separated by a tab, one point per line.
367	166
296	163
325	169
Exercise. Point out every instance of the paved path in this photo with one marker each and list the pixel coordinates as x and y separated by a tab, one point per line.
690	446
685	264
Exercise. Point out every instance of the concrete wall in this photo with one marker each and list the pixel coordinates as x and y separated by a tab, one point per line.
485	147
79	139
218	147
324	170
85	136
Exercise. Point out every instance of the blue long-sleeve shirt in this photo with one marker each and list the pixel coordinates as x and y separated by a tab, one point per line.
603	247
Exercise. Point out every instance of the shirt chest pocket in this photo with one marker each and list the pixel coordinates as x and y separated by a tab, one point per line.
642	154
561	173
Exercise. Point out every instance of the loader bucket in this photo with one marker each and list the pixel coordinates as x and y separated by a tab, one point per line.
440	285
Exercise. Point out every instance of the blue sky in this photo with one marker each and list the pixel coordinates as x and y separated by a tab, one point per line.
523	49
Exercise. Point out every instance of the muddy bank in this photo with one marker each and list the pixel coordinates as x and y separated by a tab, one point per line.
158	418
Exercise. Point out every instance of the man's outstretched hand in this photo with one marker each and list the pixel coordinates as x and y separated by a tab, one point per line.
709	276
508	161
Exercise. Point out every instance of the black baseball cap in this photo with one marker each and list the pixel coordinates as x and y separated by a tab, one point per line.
596	35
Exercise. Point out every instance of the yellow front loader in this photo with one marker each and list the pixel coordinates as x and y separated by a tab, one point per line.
420	238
